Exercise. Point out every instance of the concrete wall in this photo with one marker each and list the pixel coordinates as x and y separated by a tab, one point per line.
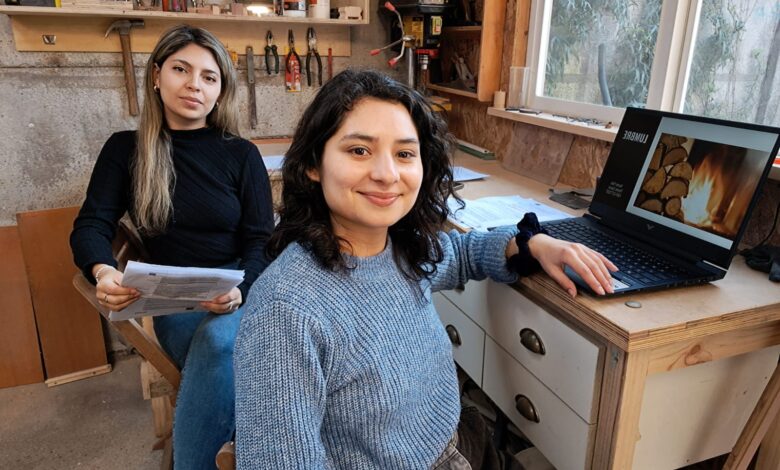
57	110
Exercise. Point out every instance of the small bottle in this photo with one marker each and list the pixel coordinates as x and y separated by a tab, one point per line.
319	9
294	8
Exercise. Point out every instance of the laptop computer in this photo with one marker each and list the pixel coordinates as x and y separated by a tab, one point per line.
674	198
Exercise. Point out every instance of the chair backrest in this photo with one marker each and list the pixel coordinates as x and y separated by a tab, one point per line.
127	246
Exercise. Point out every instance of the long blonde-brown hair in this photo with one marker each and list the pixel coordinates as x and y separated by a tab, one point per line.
153	174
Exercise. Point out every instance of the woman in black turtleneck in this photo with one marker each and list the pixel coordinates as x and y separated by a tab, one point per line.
200	196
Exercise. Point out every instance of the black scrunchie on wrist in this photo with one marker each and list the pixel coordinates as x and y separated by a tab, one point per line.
523	263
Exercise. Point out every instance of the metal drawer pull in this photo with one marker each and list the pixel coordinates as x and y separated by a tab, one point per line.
452	332
526	408
532	341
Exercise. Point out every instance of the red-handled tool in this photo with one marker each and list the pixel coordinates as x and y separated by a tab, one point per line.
330	63
292	65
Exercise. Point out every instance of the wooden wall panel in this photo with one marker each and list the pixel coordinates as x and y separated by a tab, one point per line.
584	162
68	327
20	355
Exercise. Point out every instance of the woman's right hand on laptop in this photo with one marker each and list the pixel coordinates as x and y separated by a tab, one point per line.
554	255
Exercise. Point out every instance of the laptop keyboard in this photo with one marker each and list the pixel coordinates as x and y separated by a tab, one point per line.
633	262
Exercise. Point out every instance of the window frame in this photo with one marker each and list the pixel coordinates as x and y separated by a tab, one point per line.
671	66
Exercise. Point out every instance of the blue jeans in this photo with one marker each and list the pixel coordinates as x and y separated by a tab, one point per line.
202	345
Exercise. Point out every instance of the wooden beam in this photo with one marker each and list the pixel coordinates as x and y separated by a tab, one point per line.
20	352
629	409
769	452
614	367
520	43
713	347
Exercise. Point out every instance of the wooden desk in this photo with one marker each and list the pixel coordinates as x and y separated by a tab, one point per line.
734	319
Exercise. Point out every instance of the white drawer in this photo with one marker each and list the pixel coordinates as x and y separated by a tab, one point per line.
562	436
468	354
570	363
472	300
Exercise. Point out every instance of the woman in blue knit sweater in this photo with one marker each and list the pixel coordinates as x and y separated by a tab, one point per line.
341	360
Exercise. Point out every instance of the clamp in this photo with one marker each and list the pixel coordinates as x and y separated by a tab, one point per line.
270	48
311	39
291	53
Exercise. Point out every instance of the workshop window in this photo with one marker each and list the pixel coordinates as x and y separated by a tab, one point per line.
716	58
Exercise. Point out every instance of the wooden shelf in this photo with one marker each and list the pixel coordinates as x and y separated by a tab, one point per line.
83	30
484	57
558	123
454	91
168	15
461	29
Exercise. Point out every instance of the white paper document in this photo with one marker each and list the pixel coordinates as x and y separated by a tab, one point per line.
488	212
172	289
461	174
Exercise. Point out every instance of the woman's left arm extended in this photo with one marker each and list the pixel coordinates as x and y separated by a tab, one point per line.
472	256
477	255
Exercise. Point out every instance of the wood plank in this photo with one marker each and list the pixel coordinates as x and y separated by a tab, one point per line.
520	43
162	414
69	328
629	409
20	354
696	413
78	375
769	452
87	34
454	91
491	47
714	347
758	424
614	368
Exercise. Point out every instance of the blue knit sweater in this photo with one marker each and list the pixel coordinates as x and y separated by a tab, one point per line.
352	370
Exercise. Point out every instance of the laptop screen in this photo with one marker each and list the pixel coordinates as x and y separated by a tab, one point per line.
685	183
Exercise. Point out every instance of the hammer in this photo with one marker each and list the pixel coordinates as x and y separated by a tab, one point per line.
123	27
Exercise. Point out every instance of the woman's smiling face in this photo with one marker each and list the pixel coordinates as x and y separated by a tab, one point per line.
371	170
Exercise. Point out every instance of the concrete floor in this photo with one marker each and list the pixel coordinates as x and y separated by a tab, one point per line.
98	423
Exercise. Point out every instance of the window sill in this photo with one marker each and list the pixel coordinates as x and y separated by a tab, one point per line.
578	128
558	123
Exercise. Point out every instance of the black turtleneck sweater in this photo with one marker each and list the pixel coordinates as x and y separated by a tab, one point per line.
222	210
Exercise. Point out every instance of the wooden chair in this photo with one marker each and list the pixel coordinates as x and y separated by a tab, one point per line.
127	246
160	375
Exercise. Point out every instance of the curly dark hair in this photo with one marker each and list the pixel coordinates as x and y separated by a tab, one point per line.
305	217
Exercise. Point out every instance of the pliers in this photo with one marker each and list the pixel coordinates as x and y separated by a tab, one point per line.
291	53
270	48
311	38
